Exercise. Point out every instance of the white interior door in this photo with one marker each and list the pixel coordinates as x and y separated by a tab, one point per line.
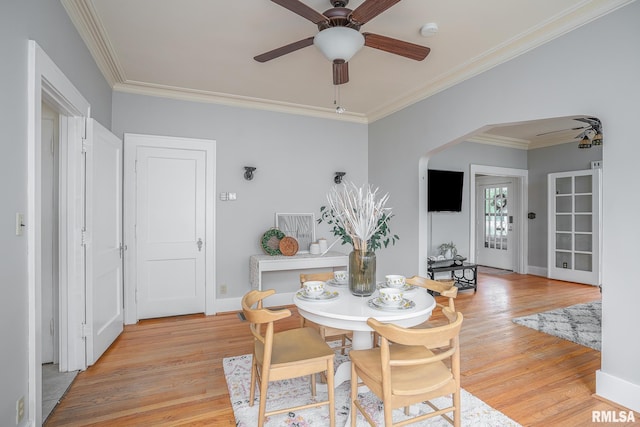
170	231
104	275
574	226
495	247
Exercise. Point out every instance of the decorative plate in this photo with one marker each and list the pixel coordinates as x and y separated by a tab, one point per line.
288	246
379	305
271	241
405	288
325	296
334	282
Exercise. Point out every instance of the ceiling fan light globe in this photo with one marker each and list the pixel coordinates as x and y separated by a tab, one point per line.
339	43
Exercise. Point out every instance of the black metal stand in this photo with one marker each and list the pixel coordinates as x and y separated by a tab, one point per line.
465	275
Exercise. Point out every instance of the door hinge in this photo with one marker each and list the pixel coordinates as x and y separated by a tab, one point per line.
85	146
83	237
86	330
135	166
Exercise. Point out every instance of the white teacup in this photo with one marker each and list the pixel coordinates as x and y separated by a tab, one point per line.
340	276
395	280
313	288
391	296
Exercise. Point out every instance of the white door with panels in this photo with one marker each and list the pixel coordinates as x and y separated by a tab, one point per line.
574	226
495	245
170	229
103	240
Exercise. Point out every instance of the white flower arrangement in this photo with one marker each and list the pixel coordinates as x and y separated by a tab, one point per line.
358	217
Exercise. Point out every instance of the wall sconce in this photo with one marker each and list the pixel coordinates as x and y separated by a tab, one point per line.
338	178
248	172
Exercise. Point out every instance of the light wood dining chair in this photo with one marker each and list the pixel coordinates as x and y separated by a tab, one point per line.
327	333
422	364
282	355
446	288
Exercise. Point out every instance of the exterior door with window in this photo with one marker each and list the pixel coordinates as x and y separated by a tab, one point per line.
494	223
574	226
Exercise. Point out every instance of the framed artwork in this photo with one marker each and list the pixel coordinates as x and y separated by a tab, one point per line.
301	226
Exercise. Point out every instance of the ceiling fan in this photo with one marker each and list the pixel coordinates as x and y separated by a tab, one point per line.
339	35
593	126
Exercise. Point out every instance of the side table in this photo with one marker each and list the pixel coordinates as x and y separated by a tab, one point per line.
465	275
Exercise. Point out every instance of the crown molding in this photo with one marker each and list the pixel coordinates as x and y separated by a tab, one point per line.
142	88
501	141
555	27
83	15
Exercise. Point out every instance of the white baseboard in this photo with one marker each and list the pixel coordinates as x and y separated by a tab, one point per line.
537	271
235	304
618	390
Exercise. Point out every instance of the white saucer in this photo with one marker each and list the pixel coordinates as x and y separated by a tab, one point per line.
334	282
404	288
378	304
325	296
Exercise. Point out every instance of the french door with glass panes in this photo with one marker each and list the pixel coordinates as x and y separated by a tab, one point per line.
494	223
574	226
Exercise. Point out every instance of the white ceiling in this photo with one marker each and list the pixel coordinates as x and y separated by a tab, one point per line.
203	49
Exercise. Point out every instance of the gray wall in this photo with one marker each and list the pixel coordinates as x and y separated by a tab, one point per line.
47	23
296	157
553	80
542	161
454	226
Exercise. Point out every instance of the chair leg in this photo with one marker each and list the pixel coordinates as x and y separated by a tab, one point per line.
313	385
354	395
252	388
457	413
331	393
388	415
344	343
264	384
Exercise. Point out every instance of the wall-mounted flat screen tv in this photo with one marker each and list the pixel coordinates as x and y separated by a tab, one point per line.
444	193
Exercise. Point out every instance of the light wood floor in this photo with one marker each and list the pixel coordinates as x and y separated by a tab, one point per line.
168	372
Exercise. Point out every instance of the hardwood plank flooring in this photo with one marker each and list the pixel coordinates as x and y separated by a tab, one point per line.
168	372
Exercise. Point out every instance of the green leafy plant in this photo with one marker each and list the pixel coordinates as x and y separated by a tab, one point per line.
357	218
448	246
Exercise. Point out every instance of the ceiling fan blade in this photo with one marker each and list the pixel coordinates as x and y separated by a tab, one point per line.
398	47
276	53
370	9
303	10
340	72
561	130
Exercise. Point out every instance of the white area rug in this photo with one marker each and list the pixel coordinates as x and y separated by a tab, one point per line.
297	391
580	323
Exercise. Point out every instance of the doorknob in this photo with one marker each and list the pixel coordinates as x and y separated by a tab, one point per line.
199	243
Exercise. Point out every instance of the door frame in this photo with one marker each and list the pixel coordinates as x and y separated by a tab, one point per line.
522	255
46	81
131	143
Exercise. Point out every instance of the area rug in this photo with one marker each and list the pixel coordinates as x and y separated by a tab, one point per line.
580	323
297	391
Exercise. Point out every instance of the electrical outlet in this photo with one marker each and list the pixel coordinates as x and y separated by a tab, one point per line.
223	289
596	164
19	410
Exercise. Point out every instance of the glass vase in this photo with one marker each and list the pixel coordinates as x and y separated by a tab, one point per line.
362	273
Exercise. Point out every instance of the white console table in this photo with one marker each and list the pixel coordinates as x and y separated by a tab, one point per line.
261	263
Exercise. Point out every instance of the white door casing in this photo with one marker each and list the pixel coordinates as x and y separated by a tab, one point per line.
169	216
103	241
521	182
496	237
46	81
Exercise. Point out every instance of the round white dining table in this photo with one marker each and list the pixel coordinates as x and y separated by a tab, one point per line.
351	312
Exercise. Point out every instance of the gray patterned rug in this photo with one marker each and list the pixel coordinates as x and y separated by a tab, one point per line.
580	323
